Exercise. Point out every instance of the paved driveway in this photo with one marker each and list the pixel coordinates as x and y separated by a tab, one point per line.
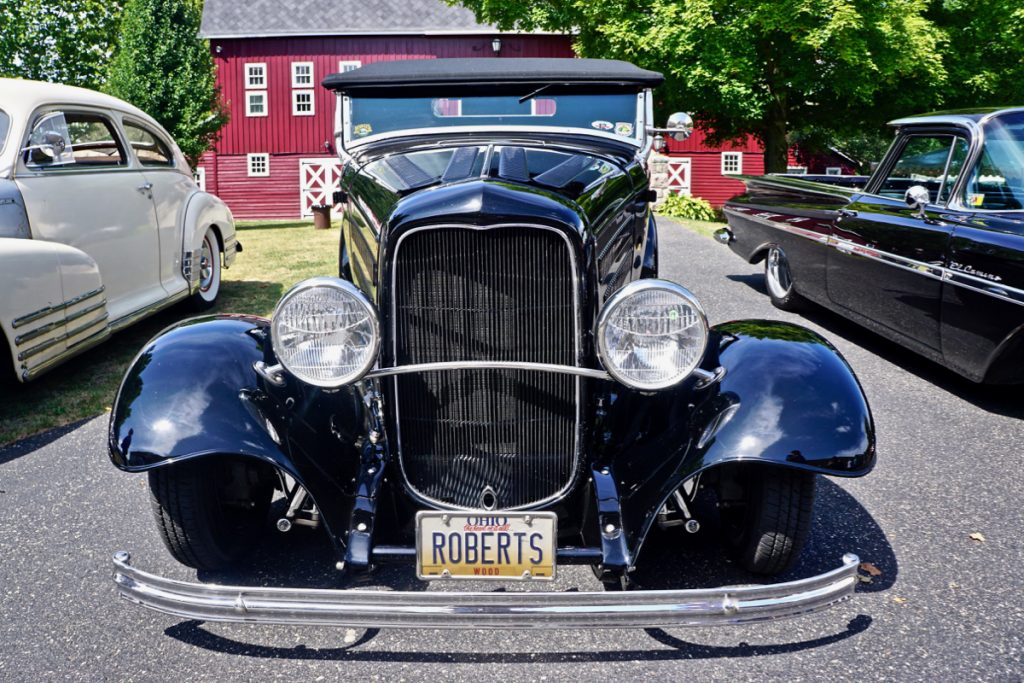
945	607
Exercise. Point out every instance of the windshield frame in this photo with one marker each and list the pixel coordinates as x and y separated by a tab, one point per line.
644	107
980	133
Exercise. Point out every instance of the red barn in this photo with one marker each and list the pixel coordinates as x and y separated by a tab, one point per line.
702	170
699	169
275	158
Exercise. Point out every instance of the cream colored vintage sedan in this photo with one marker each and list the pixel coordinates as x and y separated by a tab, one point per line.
101	223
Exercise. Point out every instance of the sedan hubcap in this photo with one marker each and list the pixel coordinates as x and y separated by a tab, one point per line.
779	281
206	267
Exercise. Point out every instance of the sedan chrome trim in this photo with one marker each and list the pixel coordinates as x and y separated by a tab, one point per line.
39	348
43	312
355	608
935	271
49	327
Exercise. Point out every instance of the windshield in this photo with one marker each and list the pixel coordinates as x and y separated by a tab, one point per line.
997	181
611	115
5	125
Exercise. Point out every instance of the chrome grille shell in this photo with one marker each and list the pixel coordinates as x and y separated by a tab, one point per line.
523	480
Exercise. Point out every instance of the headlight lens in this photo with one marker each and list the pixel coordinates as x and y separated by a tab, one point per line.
325	332
652	334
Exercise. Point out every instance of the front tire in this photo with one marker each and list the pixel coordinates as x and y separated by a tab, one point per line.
766	516
209	272
210	512
778	281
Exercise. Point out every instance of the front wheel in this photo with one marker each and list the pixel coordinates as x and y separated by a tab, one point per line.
210	512
766	515
779	281
209	272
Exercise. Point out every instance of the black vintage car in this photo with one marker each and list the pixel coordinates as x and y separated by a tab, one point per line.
930	254
494	385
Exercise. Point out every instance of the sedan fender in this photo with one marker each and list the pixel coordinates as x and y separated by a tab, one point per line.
54	305
205	211
192	392
787	398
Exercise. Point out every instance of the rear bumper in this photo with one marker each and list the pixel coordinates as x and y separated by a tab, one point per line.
506	610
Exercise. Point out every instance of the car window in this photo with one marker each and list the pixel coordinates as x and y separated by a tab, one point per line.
150	150
956	167
74	139
996	182
922	161
5	125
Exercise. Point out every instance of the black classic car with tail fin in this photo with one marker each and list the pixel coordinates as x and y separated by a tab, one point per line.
930	254
496	383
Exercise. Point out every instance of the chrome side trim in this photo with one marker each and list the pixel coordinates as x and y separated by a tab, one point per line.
356	608
935	271
43	312
49	327
49	343
126	320
78	347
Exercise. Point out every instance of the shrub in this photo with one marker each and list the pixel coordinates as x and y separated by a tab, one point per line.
691	208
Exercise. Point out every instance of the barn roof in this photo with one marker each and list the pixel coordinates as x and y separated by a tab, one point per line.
269	18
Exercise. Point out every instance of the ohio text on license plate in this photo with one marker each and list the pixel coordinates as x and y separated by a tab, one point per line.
507	545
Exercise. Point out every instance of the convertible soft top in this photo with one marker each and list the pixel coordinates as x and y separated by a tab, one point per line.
382	78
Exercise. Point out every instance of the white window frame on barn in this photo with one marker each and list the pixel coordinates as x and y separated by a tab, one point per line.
249	95
348	65
833	170
199	175
255	76
257	165
796	170
728	158
296	105
300	77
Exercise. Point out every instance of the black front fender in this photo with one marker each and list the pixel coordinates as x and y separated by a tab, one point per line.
192	392
788	399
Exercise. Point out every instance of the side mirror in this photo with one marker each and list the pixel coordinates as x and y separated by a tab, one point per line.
680	125
917	198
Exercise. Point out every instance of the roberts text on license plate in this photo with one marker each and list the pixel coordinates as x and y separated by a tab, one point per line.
486	545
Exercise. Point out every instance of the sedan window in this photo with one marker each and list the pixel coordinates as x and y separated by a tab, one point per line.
150	150
5	125
74	139
922	161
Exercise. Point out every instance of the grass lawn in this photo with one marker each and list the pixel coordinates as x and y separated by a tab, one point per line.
277	255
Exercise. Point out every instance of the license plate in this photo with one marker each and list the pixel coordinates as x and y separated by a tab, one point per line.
506	546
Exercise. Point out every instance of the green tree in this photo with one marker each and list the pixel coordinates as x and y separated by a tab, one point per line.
162	67
61	42
985	59
766	67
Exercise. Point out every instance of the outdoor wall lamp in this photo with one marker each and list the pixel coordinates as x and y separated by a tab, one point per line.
496	45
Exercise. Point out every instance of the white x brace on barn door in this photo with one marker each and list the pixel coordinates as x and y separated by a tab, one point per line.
679	175
318	179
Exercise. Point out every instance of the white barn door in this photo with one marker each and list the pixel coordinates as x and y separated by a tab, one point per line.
679	175
318	179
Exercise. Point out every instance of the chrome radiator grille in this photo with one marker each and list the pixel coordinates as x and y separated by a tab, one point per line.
504	294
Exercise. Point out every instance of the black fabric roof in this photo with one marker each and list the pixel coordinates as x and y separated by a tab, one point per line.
381	77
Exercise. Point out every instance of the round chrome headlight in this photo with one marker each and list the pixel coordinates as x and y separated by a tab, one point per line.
651	334
325	332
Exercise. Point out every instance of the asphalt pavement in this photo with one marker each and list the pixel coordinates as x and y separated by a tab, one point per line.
943	607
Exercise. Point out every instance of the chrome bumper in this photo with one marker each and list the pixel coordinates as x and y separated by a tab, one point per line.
394	609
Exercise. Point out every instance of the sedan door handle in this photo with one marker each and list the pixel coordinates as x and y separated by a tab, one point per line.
847	213
144	188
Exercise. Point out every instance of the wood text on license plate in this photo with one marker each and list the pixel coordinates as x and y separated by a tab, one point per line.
486	545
